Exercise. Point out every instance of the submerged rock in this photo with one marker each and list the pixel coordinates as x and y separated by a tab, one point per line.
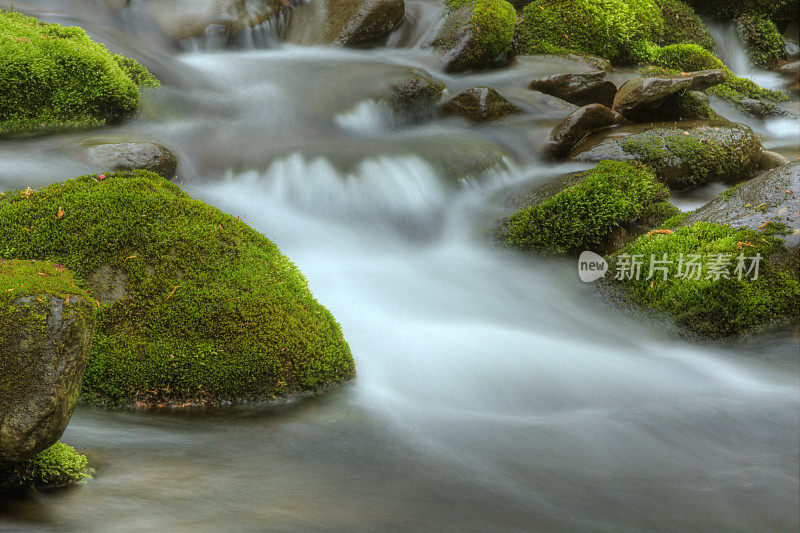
344	22
46	324
416	95
578	124
579	89
211	310
474	33
681	156
134	156
480	104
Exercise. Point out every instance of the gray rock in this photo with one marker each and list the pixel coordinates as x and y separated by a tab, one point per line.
479	104
644	98
792	68
570	131
419	93
580	89
134	156
769	160
344	22
43	349
761	109
773	197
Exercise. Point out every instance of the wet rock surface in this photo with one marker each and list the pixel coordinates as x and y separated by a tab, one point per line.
578	89
570	131
480	104
134	156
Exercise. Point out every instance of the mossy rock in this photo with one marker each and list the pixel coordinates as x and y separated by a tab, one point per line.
731	9
46	325
614	29
474	33
195	306
683	26
56	467
680	58
711	302
588	208
682	157
762	39
54	77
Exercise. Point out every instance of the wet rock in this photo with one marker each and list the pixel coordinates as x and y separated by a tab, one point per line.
479	104
769	160
692	154
46	325
472	38
792	68
578	125
539	104
579	89
761	109
134	156
417	94
344	22
645	98
771	198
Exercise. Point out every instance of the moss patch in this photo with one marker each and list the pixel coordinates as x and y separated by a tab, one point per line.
614	29
54	77
57	466
491	25
714	307
582	216
683	25
32	278
763	41
679	58
686	158
195	305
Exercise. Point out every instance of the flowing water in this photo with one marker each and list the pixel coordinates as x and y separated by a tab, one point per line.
494	391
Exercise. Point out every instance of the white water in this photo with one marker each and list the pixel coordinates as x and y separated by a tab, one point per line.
494	391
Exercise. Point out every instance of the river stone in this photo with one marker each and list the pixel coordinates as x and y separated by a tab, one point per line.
415	95
480	104
769	160
681	155
134	156
644	98
792	68
579	89
465	48
576	126
344	22
773	197
44	342
763	110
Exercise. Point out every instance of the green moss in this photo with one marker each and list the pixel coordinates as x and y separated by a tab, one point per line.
655	214
685	158
54	77
708	306
675	221
57	466
212	311
494	22
763	41
683	25
690	58
731	9
582	216
614	29
33	278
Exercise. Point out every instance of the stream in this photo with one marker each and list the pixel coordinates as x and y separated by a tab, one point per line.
495	391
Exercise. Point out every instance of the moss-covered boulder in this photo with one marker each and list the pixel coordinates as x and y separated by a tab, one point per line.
54	77
134	156
682	157
479	104
195	306
614	29
46	324
731	9
587	209
682	25
56	467
344	22
474	33
762	39
707	278
740	92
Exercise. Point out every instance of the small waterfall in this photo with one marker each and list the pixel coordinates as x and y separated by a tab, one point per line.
732	52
